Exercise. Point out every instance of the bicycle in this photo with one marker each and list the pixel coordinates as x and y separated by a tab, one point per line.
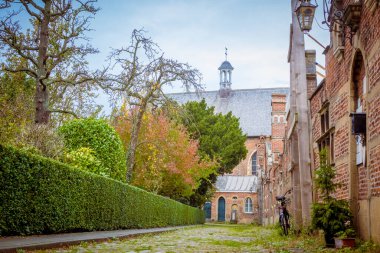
284	214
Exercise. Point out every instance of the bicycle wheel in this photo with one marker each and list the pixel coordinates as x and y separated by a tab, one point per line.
284	226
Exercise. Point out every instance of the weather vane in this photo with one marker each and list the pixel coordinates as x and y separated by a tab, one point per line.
226	53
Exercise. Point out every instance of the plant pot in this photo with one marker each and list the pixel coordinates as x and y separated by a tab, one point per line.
329	240
344	242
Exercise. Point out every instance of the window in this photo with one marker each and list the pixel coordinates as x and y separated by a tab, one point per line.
234	198
338	41
325	121
248	205
359	145
326	141
254	164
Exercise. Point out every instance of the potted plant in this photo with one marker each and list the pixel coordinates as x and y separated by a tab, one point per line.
329	214
345	238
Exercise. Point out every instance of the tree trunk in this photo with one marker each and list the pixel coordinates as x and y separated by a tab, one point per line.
41	100
42	95
131	152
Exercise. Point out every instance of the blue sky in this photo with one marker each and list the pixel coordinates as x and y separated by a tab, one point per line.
196	31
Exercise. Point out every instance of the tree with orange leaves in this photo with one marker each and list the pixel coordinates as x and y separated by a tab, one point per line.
167	161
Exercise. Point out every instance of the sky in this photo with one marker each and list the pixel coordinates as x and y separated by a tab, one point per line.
255	32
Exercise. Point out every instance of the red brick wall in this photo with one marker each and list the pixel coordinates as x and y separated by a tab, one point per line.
242	217
343	83
374	164
374	118
244	167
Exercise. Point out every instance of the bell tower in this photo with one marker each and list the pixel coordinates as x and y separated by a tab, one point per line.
225	71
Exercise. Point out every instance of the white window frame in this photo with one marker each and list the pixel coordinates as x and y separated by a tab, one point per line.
248	205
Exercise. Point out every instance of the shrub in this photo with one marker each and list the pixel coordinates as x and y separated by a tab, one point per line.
41	195
101	138
331	215
41	139
84	159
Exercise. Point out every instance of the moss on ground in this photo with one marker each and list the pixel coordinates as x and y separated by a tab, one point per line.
217	238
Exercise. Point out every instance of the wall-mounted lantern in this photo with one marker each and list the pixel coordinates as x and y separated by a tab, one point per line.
305	15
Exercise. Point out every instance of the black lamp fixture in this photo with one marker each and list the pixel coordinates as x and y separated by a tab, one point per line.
333	13
305	15
348	16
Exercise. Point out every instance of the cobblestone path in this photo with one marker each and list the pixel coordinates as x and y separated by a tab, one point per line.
209	238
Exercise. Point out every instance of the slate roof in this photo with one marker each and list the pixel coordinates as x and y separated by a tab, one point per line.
251	106
230	183
226	65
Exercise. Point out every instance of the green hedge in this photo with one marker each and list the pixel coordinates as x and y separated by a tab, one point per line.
40	195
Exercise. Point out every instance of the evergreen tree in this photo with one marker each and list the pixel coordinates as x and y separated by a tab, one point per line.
220	139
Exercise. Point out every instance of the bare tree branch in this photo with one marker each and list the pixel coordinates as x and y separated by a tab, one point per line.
66	112
144	74
53	48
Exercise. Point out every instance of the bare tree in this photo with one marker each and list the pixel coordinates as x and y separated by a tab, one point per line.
144	73
54	47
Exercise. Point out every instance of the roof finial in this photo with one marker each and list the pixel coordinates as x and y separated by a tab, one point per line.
226	53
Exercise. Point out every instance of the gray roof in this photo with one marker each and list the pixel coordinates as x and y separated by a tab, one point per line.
226	65
229	183
251	106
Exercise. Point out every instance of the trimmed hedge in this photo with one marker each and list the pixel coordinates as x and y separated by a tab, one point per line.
40	195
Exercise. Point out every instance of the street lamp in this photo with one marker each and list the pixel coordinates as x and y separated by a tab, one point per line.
305	15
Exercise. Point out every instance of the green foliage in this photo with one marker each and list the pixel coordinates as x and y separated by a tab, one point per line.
325	175
348	233
16	103
220	139
83	158
102	139
41	195
331	215
220	136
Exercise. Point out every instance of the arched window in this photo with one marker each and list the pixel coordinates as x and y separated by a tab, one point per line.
248	205
254	164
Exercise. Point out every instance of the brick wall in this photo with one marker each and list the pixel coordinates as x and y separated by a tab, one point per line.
244	167
343	86
242	216
374	165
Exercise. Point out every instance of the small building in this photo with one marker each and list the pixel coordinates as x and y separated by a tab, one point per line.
235	199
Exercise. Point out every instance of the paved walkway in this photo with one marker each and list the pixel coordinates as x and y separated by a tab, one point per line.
12	243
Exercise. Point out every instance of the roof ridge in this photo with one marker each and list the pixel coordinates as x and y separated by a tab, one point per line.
212	91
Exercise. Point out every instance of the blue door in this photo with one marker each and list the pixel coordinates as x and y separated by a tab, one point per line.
221	209
207	210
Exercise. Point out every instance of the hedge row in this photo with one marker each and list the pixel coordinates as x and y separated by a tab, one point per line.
40	195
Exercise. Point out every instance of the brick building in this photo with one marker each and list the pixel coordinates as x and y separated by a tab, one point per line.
274	177
344	118
237	195
352	87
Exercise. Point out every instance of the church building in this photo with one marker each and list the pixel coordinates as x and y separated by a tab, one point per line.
237	194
